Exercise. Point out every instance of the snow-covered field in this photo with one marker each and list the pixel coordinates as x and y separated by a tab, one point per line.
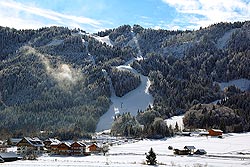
233	150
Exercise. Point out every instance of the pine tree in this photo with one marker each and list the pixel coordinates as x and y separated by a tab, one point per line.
176	127
151	157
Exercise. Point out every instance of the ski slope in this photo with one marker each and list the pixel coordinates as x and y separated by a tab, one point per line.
137	99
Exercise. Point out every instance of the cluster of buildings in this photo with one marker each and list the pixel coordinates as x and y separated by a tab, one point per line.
189	150
35	146
210	132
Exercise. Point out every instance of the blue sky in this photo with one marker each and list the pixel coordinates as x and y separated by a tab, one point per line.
96	15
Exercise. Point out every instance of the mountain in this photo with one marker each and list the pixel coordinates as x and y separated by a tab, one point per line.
53	80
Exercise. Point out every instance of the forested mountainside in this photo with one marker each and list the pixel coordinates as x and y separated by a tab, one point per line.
52	79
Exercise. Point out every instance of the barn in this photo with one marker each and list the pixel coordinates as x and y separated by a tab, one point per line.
215	132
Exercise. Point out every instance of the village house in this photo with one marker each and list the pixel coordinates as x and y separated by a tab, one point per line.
50	141
188	150
29	146
67	149
78	148
54	148
94	148
215	132
64	148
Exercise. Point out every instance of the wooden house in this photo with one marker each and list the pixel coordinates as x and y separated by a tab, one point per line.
94	148
64	148
48	142
215	132
29	146
78	148
190	149
54	148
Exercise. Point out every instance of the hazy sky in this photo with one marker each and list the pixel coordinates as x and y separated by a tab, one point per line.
95	15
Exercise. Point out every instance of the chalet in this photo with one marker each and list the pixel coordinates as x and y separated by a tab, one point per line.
64	149
54	148
94	148
190	149
78	148
215	132
47	143
8	156
30	146
200	152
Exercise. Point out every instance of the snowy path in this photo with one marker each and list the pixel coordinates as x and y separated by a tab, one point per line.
137	99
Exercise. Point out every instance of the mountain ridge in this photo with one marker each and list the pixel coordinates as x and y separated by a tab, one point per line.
183	64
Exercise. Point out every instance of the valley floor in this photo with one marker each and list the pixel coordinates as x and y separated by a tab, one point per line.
233	150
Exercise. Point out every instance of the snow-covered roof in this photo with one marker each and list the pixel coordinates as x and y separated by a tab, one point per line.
80	143
66	143
8	155
189	147
53	140
97	145
15	140
34	141
201	150
217	130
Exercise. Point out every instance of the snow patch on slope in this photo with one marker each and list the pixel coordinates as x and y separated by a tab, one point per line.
104	39
243	84
222	42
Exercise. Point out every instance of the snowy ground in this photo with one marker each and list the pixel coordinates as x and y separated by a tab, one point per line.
233	150
103	39
175	119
